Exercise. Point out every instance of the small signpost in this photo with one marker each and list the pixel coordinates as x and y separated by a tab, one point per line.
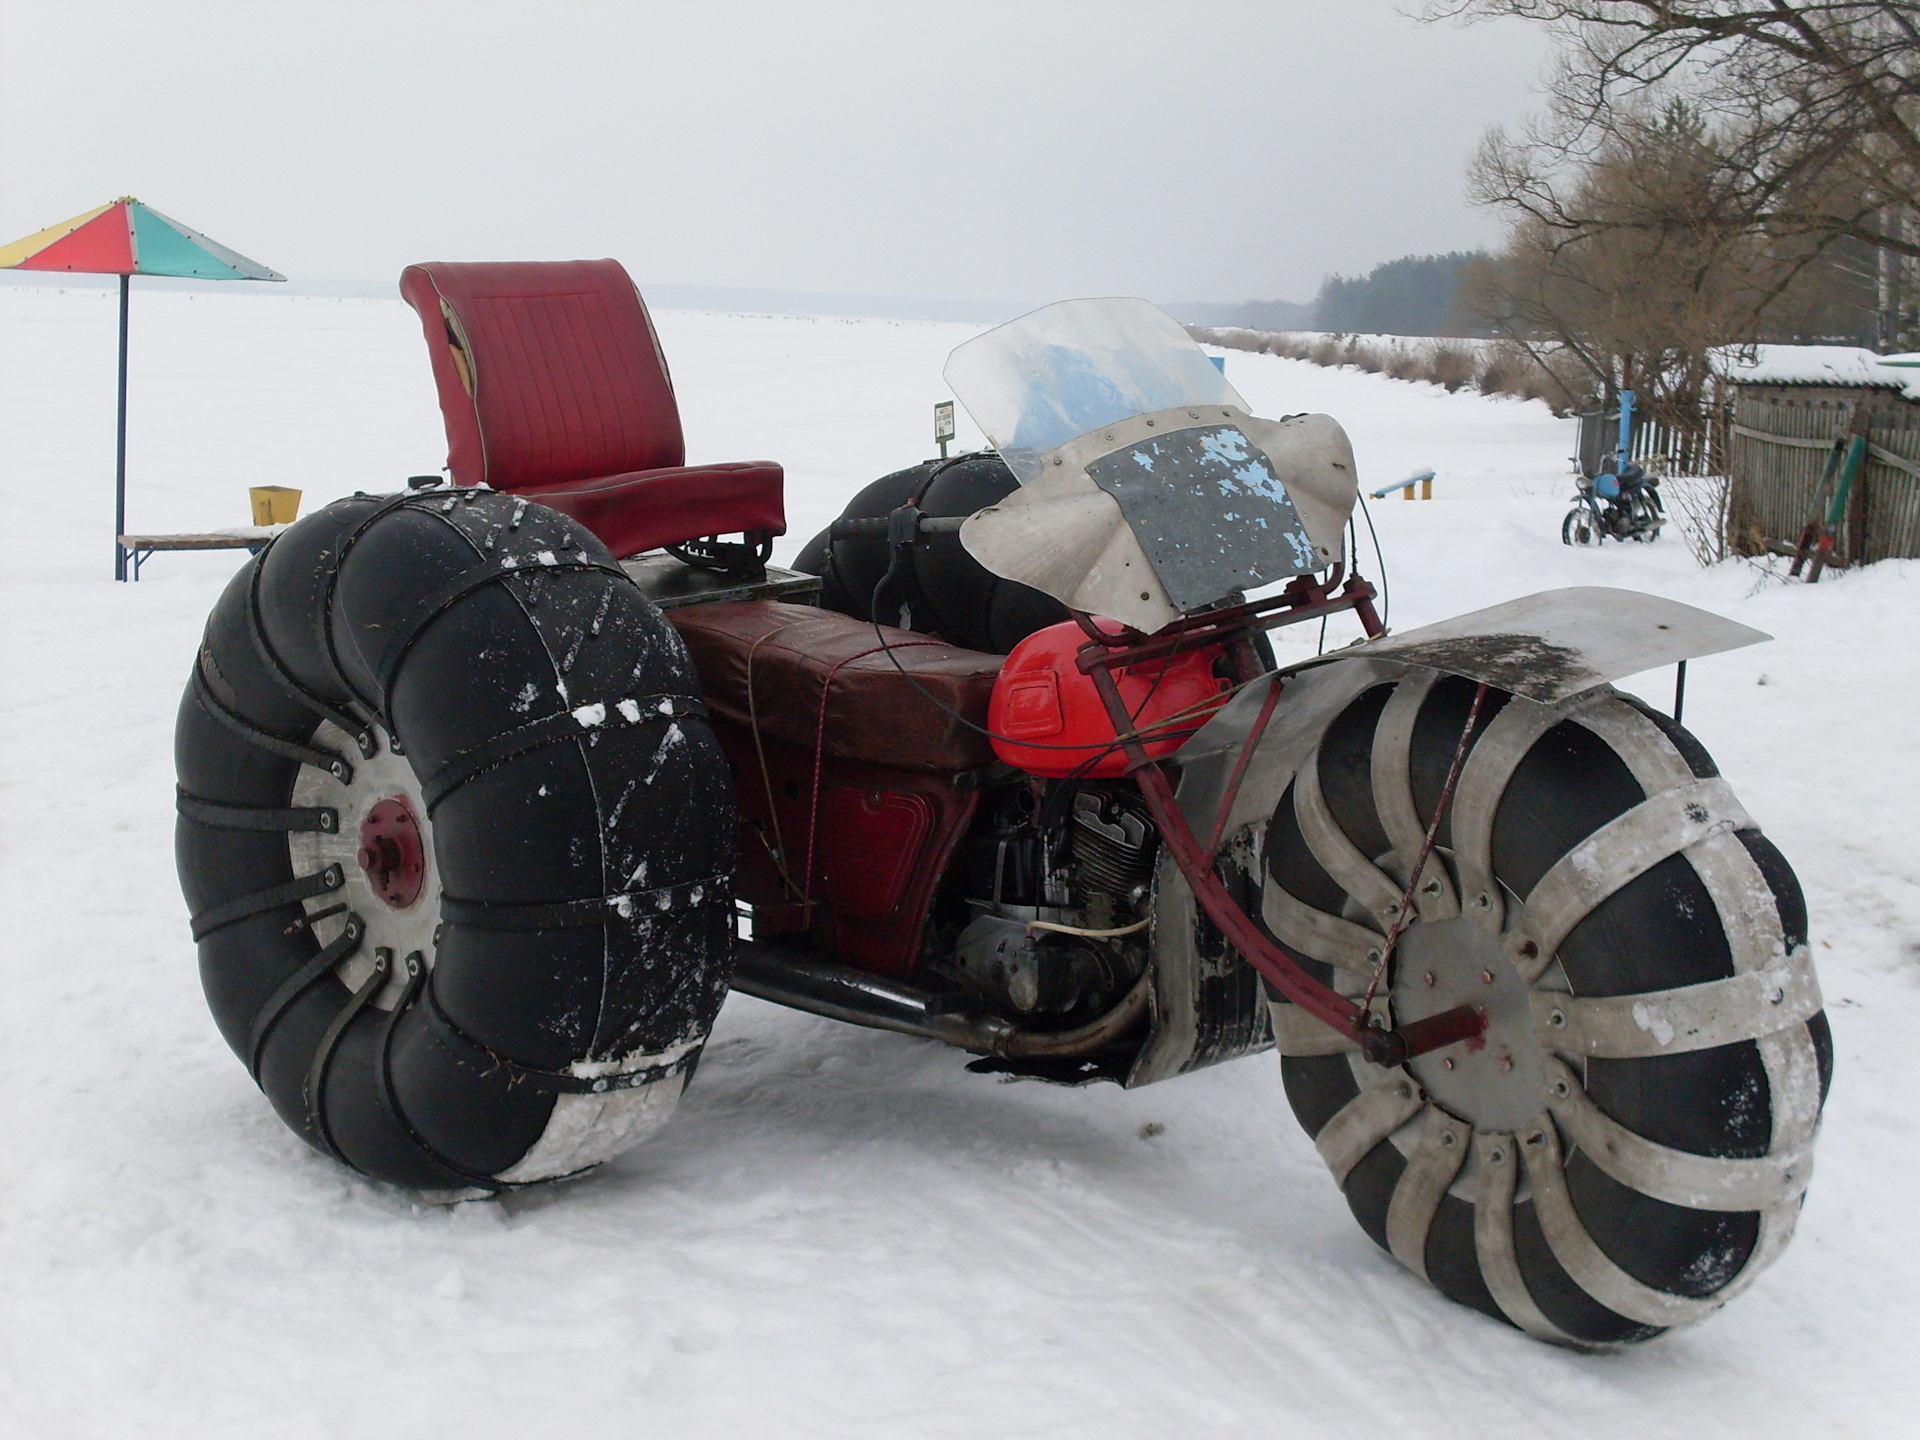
943	425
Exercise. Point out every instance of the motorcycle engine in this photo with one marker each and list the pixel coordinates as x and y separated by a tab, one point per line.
1060	934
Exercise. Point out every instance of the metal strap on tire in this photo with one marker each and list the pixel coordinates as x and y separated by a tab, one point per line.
326	760
595	910
1744	1006
1499	1173
1367	1119
1581	1256
1678	1177
1437	1157
470	1054
1621	850
296	985
352	725
272	897
458	587
322	818
416	978
330	1041
551	729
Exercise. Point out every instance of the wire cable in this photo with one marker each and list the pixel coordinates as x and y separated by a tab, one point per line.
1380	559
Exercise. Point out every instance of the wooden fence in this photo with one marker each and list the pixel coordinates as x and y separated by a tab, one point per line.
1777	449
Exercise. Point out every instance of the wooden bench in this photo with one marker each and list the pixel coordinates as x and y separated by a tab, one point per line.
251	538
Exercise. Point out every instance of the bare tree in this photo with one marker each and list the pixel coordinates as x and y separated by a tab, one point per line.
1627	266
1809	112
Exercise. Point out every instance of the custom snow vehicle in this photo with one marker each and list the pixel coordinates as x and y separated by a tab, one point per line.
489	790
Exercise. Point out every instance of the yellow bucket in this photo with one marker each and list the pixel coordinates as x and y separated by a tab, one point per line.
274	504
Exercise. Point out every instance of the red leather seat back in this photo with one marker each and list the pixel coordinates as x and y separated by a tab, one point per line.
564	376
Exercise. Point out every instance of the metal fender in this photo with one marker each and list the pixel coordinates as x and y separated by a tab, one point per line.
1554	645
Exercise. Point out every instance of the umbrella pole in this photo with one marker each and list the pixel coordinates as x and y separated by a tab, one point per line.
120	450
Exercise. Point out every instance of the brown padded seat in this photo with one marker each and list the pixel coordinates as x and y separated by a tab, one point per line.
874	714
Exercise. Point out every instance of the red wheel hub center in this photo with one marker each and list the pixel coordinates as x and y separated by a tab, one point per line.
392	855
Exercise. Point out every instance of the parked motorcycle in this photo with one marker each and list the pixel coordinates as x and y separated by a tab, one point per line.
1027	782
1620	501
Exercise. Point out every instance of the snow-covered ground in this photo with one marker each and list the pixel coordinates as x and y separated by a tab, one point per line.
842	1233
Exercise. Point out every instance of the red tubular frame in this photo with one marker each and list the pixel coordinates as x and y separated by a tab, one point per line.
1302	600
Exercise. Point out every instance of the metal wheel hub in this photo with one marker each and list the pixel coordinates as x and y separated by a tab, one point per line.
384	845
391	853
1493	1082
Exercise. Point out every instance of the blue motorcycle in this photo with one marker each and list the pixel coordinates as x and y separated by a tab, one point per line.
1621	501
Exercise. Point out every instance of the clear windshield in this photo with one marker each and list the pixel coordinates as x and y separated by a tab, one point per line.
1037	382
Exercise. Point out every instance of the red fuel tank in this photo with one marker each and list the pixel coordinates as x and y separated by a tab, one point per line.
1047	718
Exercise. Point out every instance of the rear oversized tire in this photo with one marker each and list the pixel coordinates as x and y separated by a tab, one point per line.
456	840
1630	1145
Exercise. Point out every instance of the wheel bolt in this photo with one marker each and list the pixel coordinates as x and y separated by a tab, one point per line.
1429	977
1506	1062
1486	977
1447	1063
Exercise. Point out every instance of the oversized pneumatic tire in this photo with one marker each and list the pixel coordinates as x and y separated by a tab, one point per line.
1631	1144
456	839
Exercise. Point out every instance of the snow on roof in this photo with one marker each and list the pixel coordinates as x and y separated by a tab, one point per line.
1819	365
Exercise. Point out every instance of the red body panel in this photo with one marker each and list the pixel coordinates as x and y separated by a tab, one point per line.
1043	698
879	841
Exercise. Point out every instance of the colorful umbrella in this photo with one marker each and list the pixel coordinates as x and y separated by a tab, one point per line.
126	239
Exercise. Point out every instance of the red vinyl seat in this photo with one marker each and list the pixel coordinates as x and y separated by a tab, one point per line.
553	386
770	667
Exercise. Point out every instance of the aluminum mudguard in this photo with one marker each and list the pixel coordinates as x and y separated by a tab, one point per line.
1554	645
1206	1005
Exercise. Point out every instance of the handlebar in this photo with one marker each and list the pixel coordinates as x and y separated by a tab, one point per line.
902	526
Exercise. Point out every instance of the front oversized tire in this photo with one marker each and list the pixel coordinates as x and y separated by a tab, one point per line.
1631	1144
456	840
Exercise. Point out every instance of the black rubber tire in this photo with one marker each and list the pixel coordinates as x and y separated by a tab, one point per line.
943	591
1665	928
579	929
1581	528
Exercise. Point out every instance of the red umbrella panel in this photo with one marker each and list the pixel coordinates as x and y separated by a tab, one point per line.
127	238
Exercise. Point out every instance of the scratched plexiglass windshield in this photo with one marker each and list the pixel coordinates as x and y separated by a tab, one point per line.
1037	382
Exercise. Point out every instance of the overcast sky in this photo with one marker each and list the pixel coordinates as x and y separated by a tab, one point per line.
1184	150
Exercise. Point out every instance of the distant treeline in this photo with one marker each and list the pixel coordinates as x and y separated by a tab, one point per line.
1414	295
